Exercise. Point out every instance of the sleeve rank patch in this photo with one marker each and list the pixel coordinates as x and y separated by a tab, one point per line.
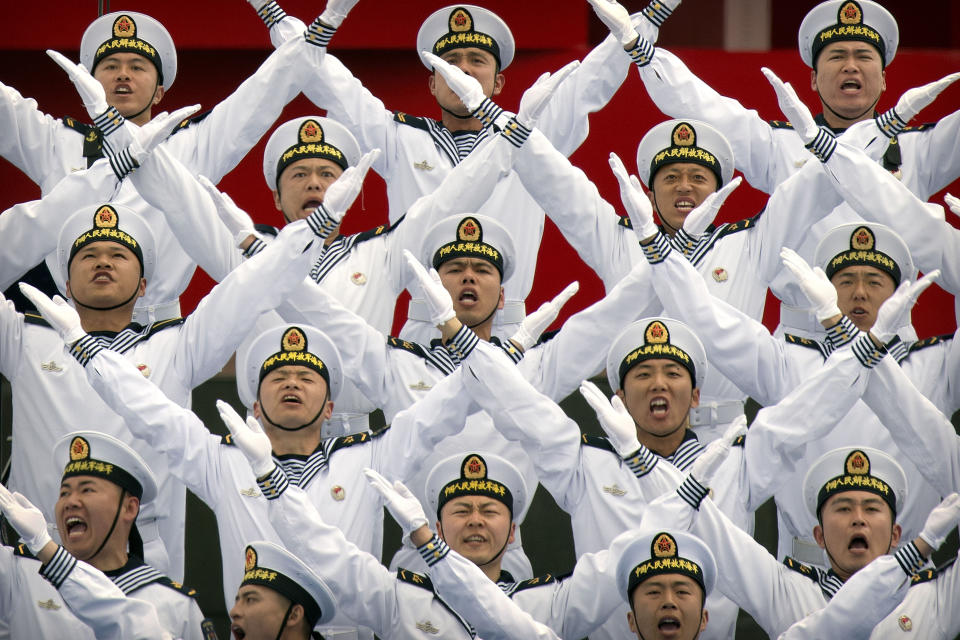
597	442
929	342
414	578
804	342
535	582
22	551
348	441
267	229
779	124
176	586
189	121
800	568
624	221
405	345
740	441
412	121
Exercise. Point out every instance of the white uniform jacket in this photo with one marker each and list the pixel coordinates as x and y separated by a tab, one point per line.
214	469
768	369
47	149
51	396
924	158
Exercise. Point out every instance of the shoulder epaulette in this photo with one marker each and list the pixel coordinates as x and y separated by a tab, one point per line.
267	229
534	582
22	551
227	440
414	578
348	441
740	441
624	221
598	442
923	576
929	342
176	586
412	347
159	326
800	568
739	225
924	126
189	121
547	336
37	319
804	342
413	121
80	127
780	124
376	232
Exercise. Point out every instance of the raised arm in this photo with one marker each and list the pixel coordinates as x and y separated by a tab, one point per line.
29	141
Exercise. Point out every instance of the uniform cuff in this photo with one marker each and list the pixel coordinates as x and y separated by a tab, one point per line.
692	492
657	250
318	33
868	353
890	123
322	222
641	462
122	163
842	333
487	112
433	551
108	121
255	247
462	344
823	145
515	132
642	52
59	567
85	348
271	14
656	13
909	558
273	484
684	242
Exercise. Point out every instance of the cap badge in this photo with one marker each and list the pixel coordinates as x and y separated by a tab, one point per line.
460	20
311	131
469	230
850	13
657	333
862	239
684	135
474	468
858	464
250	559
124	27
105	218
79	449
293	340
664	546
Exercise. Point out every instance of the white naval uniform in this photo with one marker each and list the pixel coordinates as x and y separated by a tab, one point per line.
736	260
217	471
51	393
35	608
606	495
769	153
406	604
778	595
419	152
768	369
47	149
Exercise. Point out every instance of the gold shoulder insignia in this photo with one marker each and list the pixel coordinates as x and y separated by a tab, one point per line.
624	221
414	578
780	124
598	442
348	441
535	582
800	568
740	441
929	342
923	576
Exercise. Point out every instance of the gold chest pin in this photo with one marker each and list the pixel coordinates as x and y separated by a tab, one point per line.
338	493
905	623
359	278
720	274
422	166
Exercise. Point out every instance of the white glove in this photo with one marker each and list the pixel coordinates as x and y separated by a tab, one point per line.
894	313
467	88
157	130
793	109
402	504
25	518
249	438
815	285
233	217
614	418
536	98
953	202
941	521
635	201
537	322
702	217
432	291
92	93
336	12
913	101
707	463
617	19
57	312
340	195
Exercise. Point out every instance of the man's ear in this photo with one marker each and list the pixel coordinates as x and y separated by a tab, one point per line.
500	302
813	79
498	83
432	83
158	95
142	290
818	536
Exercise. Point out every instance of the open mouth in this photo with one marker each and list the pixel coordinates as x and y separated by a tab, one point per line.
659	407
858	543
468	296
238	632
291	399
475	539
76	526
310	205
668	625
850	85
123	90
102	276
684	205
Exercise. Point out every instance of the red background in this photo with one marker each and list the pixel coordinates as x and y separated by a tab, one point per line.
220	42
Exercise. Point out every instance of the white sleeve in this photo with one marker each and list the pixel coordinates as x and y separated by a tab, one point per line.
579	350
939	162
189	211
225	315
217	143
924	434
948	600
191	451
740	347
866	598
877	196
366	590
572	201
30	229
11	339
29	138
680	94
99	603
462	585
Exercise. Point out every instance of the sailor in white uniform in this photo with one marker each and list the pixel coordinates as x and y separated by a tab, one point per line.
104	482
